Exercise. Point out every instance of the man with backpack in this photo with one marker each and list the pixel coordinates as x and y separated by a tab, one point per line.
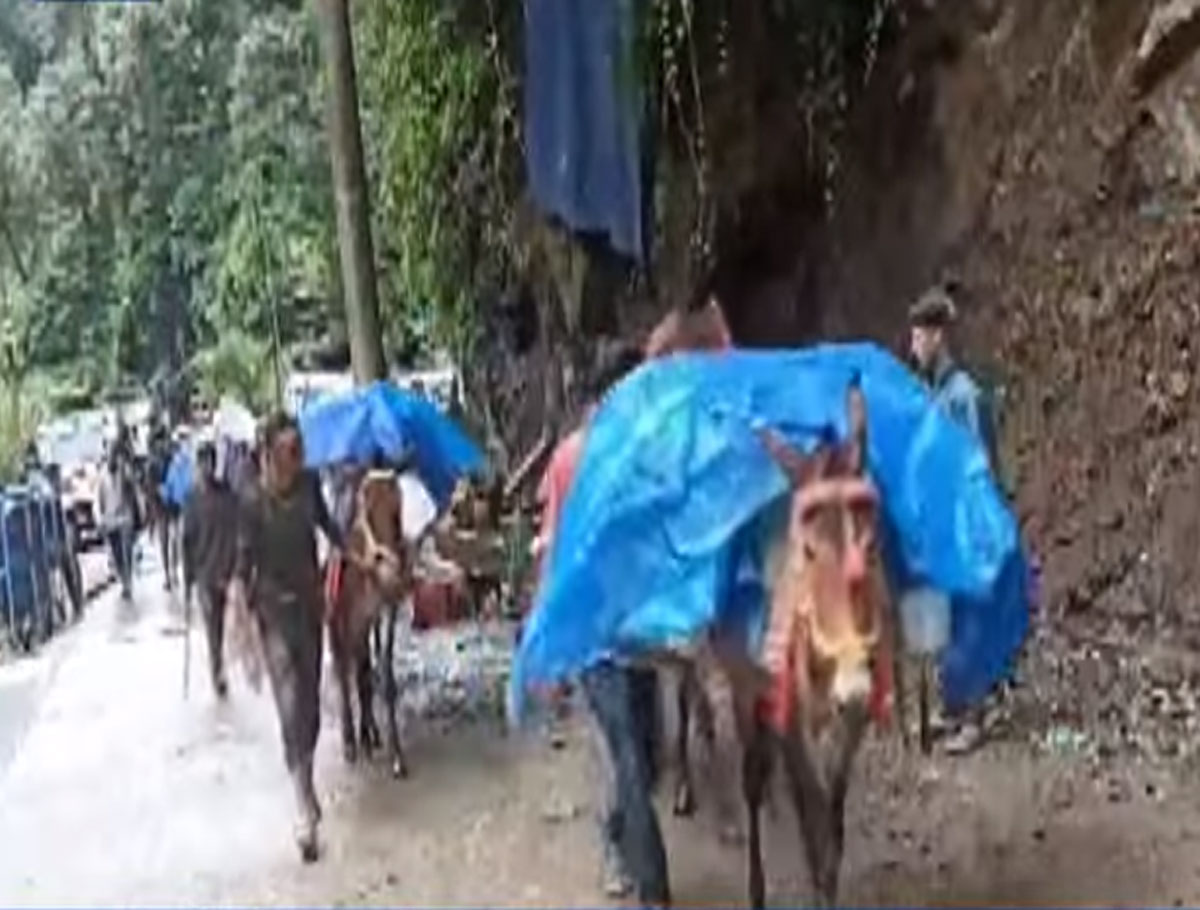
931	320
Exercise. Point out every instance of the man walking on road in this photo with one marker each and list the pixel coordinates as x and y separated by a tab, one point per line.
623	701
278	579
161	452
116	506
931	318
209	554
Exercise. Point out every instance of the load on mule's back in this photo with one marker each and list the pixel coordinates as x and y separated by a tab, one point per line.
682	532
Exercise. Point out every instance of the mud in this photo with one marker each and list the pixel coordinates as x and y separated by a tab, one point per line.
121	791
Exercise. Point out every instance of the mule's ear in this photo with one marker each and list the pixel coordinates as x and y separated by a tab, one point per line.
856	421
719	336
800	469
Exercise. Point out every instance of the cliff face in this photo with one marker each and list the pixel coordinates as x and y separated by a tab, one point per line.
1042	154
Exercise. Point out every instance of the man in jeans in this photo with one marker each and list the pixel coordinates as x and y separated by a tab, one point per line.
210	555
623	701
116	505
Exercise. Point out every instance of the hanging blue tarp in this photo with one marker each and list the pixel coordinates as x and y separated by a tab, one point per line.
583	104
661	534
177	485
381	417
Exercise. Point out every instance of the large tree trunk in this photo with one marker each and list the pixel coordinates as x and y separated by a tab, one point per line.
350	187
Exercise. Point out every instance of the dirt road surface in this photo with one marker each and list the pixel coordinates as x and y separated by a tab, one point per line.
118	791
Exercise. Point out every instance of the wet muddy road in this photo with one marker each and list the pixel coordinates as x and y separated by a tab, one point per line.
116	790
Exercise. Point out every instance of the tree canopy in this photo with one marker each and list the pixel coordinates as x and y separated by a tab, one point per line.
165	189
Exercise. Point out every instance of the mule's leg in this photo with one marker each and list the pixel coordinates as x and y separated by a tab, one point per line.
819	791
811	801
716	710
838	775
756	771
900	696
923	694
341	667
391	692
685	797
368	730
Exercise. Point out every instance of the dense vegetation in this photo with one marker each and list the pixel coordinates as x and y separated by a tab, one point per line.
165	195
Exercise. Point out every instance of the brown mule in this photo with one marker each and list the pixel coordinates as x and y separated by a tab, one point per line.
825	659
367	591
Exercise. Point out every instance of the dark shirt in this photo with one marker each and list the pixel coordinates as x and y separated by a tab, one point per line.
277	543
210	522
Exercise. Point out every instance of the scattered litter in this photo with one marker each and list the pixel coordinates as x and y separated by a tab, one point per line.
455	672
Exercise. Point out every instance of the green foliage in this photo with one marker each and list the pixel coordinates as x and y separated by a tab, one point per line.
163	182
439	115
165	189
239	365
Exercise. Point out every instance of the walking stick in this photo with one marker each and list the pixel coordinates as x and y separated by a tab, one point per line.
187	641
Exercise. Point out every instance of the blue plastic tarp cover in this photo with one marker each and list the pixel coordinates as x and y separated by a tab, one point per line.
177	485
662	535
384	418
583	106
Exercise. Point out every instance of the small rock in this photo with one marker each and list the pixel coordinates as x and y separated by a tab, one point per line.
559	812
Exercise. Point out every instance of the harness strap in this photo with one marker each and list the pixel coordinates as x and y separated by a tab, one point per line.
334	572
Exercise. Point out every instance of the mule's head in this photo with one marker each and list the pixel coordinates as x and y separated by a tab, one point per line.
380	509
828	604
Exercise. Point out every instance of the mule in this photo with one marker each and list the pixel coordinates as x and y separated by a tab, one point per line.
826	653
367	591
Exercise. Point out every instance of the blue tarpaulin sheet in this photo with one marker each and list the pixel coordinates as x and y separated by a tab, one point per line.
661	535
383	418
583	117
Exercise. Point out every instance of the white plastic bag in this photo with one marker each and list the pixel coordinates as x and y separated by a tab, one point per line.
925	621
417	508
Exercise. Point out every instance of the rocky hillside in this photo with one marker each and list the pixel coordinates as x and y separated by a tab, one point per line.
1044	155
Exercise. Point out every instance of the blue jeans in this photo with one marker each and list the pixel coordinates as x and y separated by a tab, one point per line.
624	701
120	542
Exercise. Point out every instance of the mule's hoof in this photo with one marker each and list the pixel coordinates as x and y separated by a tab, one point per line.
306	843
685	802
369	739
308	851
399	768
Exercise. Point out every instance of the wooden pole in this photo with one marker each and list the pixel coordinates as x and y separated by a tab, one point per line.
350	189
